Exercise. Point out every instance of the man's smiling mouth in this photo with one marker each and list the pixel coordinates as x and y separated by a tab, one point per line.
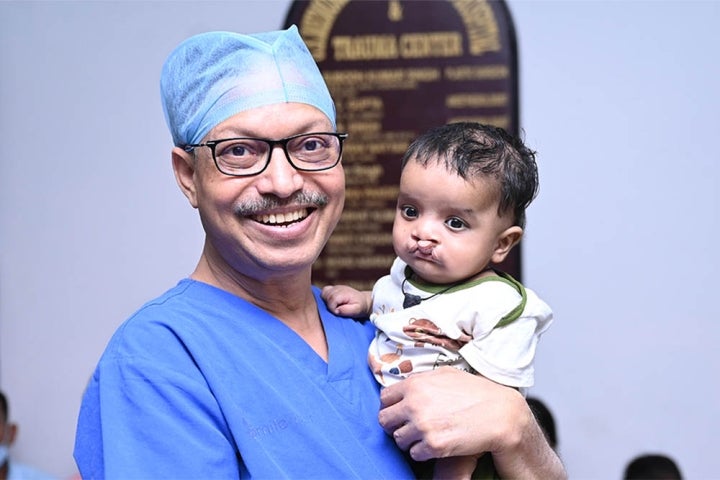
281	218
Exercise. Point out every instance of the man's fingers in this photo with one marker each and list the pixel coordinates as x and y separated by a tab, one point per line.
419	453
408	438
391	395
392	415
390	419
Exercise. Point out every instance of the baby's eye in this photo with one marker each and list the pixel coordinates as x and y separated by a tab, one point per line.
455	223
408	211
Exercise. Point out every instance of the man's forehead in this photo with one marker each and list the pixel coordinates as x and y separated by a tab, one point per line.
269	121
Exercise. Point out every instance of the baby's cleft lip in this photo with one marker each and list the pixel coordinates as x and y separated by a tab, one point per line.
425	248
424	253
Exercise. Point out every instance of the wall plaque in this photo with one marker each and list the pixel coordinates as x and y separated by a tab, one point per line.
396	69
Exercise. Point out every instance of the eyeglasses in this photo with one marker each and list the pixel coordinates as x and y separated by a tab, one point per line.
245	157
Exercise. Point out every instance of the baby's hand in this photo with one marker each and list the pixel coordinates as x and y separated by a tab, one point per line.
346	301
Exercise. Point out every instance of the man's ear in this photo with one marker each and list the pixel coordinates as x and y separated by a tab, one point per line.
506	241
184	167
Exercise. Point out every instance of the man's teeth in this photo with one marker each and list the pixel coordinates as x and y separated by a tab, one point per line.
282	217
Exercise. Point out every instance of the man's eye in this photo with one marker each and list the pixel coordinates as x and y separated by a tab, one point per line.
455	223
409	211
311	145
236	150
239	149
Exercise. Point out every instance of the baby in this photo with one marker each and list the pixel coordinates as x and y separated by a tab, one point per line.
464	188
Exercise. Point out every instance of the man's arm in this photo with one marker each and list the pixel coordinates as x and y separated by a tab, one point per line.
447	412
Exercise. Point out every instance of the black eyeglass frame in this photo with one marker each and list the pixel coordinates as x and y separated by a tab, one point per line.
211	144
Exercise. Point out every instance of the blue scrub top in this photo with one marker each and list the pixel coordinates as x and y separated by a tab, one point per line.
200	383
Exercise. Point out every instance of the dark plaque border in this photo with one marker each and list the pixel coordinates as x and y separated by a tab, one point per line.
396	69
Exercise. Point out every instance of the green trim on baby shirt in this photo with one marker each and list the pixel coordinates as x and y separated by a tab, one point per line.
499	276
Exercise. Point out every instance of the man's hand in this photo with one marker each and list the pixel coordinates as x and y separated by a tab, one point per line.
447	412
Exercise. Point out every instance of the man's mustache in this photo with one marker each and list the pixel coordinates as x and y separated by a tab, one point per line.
269	202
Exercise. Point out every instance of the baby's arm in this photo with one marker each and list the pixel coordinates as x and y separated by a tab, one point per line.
346	301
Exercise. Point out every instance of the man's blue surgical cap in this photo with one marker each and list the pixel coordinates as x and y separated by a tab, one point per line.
212	76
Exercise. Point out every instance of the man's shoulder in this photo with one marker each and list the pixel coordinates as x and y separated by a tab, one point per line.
187	313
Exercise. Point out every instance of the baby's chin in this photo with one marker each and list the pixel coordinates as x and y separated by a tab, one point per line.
429	270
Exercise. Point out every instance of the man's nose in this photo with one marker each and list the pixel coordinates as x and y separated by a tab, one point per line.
280	177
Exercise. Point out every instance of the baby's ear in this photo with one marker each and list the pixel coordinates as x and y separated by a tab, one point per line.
505	242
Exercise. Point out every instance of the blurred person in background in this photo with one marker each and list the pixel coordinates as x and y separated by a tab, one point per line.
652	467
545	418
10	469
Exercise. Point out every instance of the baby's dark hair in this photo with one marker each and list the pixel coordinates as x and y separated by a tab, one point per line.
471	149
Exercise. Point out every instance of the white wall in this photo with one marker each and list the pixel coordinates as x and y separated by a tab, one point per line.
619	98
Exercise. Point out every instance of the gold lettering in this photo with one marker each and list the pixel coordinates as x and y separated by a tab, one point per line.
373	261
355	215
316	24
363	174
364	127
365	103
364	47
340	262
374	239
423	74
385	148
347	82
502	121
395	11
431	45
387	46
343	77
368	220
345	226
351	150
372	193
381	193
382	216
471	72
476	100
385	76
482	28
